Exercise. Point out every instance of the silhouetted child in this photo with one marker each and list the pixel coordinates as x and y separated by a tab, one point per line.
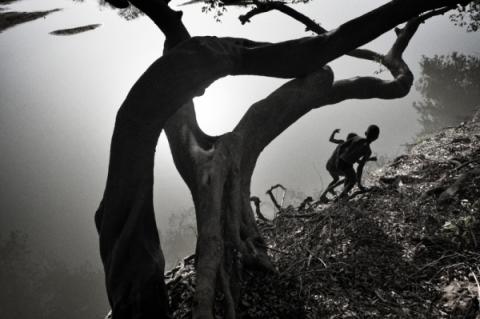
334	140
332	162
354	150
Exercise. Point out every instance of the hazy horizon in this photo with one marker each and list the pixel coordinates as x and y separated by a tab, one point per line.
59	96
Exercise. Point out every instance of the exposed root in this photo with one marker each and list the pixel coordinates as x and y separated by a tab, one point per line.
256	201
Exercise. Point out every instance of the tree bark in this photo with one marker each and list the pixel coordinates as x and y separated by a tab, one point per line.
129	242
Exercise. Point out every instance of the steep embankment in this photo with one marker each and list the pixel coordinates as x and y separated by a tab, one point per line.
409	248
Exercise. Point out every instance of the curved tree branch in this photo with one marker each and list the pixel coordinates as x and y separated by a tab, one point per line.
311	25
256	201
272	197
167	20
266	119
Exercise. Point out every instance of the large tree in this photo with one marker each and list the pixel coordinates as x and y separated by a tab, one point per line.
218	169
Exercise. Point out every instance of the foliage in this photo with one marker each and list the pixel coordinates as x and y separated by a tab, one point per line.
468	16
461	229
129	13
450	86
218	8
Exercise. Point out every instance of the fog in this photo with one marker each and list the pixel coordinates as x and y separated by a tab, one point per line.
59	96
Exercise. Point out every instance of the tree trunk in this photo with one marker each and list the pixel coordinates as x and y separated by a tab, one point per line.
125	220
218	171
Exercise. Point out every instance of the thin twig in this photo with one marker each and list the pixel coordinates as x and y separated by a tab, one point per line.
466	163
476	281
319	259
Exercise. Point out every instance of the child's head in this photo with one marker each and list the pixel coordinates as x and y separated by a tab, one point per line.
351	135
372	133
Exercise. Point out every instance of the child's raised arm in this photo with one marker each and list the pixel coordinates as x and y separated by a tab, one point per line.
333	139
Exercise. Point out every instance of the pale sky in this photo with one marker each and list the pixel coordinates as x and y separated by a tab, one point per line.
59	96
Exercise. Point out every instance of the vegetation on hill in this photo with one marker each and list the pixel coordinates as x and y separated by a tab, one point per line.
408	248
450	88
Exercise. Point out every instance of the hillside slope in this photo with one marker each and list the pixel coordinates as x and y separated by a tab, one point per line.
409	248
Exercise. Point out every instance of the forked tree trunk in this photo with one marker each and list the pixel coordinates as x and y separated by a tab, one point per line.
218	171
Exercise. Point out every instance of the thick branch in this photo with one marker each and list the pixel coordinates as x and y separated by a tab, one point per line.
382	19
268	118
238	56
167	20
299	57
311	25
371	87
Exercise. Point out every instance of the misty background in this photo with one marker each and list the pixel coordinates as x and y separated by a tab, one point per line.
58	100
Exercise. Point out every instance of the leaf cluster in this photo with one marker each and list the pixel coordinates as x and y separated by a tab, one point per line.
468	16
450	86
